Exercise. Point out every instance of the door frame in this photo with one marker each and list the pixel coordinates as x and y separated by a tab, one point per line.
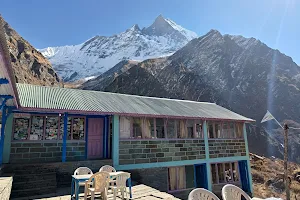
105	135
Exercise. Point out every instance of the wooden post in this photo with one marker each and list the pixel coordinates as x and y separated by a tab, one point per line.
287	181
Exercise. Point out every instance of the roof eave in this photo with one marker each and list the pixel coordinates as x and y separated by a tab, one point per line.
84	112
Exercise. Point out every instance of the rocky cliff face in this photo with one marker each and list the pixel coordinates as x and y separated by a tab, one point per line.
29	65
242	74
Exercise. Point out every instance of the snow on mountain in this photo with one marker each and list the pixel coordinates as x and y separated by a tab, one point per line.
100	53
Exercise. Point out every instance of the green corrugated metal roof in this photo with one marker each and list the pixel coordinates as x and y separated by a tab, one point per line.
54	98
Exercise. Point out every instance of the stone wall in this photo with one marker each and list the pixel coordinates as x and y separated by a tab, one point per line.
45	151
226	148
150	151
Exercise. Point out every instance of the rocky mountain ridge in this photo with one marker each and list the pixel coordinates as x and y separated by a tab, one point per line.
28	64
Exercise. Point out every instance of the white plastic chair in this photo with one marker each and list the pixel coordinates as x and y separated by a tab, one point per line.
107	168
202	194
232	192
82	171
97	183
120	185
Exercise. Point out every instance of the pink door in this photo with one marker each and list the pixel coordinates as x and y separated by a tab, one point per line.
95	138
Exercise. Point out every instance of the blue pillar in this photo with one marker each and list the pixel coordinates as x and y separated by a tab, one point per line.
64	146
208	170
4	116
115	138
248	157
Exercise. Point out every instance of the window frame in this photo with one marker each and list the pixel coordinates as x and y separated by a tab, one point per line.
225	134
215	165
45	116
168	178
196	124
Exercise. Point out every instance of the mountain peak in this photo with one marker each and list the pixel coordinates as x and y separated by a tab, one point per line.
162	26
159	19
135	28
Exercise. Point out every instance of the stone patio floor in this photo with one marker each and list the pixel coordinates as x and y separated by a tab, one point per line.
139	192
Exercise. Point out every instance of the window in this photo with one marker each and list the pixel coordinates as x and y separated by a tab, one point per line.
160	128
47	127
239	130
190	128
199	131
125	127
183	131
51	128
37	128
143	128
225	130
171	128
180	178
78	128
21	127
153	128
211	130
223	173
136	128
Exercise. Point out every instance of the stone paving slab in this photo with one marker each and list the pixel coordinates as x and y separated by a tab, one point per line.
139	192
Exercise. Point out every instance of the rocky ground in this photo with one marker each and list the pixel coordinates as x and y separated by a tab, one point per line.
267	175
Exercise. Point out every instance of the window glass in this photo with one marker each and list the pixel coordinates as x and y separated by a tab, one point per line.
37	128
217	130
225	172
160	132
224	130
211	130
189	176
21	126
190	128
214	173
136	126
125	127
199	131
231	130
78	128
228	172
221	173
239	130
171	132
235	171
51	128
153	128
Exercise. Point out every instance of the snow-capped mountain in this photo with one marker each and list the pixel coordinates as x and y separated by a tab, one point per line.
100	53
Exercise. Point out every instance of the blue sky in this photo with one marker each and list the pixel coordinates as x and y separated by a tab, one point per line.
67	22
